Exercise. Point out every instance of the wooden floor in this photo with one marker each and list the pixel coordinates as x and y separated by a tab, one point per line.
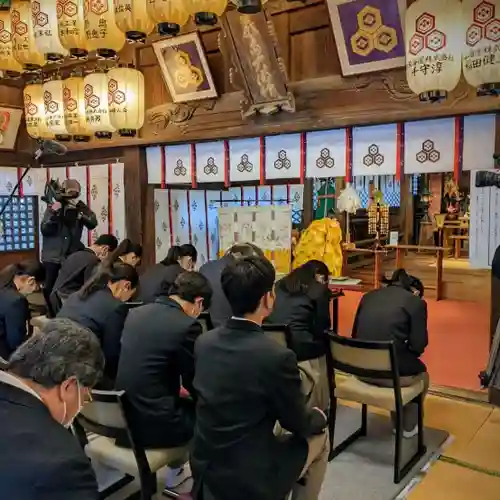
460	282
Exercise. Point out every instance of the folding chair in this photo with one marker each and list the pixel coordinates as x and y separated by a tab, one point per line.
279	333
377	360
205	321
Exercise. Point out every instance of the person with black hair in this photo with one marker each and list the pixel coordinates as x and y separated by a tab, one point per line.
157	357
246	382
78	268
159	278
130	253
100	306
398	313
17	281
220	310
303	303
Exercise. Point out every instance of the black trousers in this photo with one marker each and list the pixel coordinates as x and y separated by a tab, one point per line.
51	273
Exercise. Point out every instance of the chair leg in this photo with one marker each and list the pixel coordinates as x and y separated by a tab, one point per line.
364	420
398	445
421	443
149	486
331	425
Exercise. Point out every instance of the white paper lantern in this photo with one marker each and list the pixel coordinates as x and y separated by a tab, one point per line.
54	109
205	12
34	112
169	15
8	64
24	47
434	44
249	6
96	105
126	100
71	24
74	109
133	19
46	30
103	35
481	56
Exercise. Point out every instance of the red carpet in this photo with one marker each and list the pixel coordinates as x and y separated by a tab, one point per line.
458	339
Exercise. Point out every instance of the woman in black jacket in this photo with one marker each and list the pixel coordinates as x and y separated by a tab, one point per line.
100	306
303	303
17	281
161	275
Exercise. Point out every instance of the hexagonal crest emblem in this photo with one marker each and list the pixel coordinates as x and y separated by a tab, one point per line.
71	104
428	145
421	157
373	149
70	9
21	28
88	90
15	16
386	39
492	30
436	40
425	23
474	35
5	36
484	12
417	44
434	156
52	106
94	101
369	19
361	43
42	19
98	7
368	160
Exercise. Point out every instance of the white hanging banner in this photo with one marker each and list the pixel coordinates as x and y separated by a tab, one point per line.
326	153
429	146
264	195
283	156
210	162
99	199
59	174
178	164
494	229
8	180
199	223
231	197
181	233
374	150
244	160
154	164
117	201
479	225
211	198
296	196
479	142
280	195
39	176
79	173
250	195
28	184
162	223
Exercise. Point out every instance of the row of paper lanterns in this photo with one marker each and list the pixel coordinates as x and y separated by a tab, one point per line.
80	107
446	37
34	32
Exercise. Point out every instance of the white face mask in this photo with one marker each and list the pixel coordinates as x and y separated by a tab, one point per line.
80	406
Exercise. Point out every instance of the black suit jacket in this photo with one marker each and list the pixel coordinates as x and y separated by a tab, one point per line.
152	280
14	314
307	315
40	459
157	354
245	383
220	310
104	315
393	313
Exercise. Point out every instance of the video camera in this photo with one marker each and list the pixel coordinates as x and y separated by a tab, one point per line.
63	193
488	178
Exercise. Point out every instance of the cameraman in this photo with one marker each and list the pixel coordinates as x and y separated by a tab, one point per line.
62	227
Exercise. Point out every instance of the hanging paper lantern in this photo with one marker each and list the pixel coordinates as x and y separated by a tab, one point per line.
8	64
46	30
126	100
133	19
249	6
71	24
34	112
96	104
169	15
54	109
24	47
205	12
433	48
101	30
480	58
74	109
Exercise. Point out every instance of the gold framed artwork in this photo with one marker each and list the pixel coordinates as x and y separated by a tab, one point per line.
185	68
10	119
369	34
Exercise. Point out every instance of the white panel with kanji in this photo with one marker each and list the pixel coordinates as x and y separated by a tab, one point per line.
154	164
99	199
29	186
264	195
250	195
198	222
178	164
283	156
210	164
479	142
244	160
8	180
180	216
213	223
162	223
326	153
80	174
117	201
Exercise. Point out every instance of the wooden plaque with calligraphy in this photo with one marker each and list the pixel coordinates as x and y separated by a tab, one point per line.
250	45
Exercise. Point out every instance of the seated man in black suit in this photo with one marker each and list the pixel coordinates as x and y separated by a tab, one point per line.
220	310
47	381
246	382
157	356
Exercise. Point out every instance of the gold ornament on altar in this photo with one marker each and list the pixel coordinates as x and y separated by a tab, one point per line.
321	241
54	109
206	12
434	45
71	24
103	35
480	60
126	100
9	65
74	109
378	218
34	112
46	30
97	104
169	15
133	19
24	47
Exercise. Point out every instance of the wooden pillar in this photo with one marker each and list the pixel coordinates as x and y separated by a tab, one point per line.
406	210
339	187
308	213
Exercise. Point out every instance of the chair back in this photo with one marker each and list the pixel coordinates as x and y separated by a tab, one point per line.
278	333
3	364
205	321
363	358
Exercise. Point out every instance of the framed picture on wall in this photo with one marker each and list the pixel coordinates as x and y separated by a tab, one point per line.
10	119
185	68
369	34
